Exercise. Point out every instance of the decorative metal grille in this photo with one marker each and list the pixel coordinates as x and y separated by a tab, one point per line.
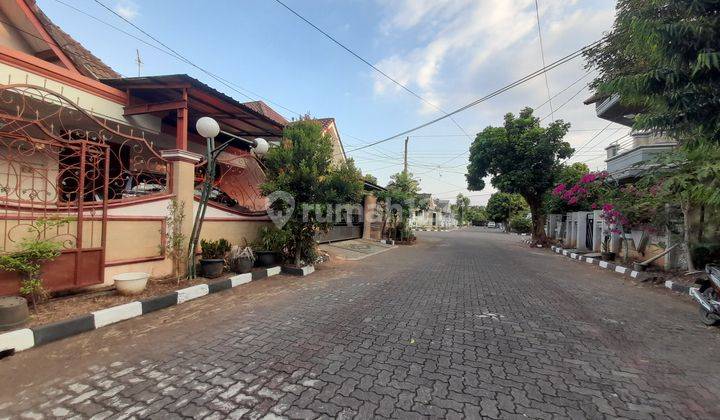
60	166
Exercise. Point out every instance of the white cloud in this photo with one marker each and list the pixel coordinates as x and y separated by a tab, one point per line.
127	9
454	51
457	43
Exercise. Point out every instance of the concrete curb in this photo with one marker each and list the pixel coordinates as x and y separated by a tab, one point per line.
298	271
675	287
639	275
25	338
678	287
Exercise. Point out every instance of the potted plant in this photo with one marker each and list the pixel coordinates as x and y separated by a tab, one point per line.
241	260
269	245
605	252
26	262
212	258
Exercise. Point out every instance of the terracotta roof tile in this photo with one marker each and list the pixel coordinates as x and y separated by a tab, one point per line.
263	108
84	60
325	121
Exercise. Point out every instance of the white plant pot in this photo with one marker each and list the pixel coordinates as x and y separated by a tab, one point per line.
131	283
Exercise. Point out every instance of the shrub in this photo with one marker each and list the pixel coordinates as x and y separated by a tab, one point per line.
520	224
214	250
271	239
26	262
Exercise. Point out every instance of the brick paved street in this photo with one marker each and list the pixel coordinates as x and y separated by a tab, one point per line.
464	324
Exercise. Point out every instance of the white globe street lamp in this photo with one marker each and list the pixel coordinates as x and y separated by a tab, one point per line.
261	146
207	127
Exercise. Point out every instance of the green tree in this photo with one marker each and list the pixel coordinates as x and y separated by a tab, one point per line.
477	215
399	200
521	157
302	166
689	178
662	58
370	178
520	223
501	207
462	204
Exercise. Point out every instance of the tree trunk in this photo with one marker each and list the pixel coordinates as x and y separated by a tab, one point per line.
687	224
701	225
538	221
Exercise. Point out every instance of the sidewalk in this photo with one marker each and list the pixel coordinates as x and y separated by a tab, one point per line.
355	249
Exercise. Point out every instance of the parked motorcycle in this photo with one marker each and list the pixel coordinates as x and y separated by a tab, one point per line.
708	296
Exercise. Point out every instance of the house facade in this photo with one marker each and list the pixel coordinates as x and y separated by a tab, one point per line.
625	159
434	214
93	160
626	162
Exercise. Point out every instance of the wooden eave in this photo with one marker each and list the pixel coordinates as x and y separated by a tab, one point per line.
162	94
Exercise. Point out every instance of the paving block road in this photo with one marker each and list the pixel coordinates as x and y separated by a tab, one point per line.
465	324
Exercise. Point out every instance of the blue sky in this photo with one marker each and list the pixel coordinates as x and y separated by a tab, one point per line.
450	52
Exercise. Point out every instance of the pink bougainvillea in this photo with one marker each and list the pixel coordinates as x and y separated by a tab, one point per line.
614	218
559	190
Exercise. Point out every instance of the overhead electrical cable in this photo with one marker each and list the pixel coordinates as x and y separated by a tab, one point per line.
491	95
374	67
542	54
178	55
540	106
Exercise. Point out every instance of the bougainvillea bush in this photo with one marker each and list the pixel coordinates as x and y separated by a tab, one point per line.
585	193
624	207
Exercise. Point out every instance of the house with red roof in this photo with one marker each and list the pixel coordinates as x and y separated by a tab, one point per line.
93	159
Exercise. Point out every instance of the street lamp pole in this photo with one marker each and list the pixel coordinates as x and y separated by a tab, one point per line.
209	128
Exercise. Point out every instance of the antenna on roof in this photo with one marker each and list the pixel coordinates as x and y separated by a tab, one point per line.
138	61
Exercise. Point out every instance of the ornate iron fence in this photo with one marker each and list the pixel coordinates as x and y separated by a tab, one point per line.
60	167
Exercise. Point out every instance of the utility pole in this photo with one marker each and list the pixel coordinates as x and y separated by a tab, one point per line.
405	159
138	61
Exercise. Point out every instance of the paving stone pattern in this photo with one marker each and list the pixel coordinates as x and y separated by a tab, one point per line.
466	324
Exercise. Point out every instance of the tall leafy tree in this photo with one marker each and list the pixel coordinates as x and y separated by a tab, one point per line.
477	215
400	198
662	57
501	207
520	157
302	166
462	204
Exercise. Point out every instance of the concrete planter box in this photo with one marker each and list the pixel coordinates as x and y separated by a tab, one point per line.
298	271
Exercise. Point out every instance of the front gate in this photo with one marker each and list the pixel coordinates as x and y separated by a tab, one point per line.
589	230
56	180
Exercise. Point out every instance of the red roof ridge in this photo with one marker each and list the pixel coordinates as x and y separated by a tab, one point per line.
87	63
264	109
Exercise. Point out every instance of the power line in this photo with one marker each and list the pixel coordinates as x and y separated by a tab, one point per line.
562	91
356	55
592	138
564	103
491	95
549	101
542	54
176	54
